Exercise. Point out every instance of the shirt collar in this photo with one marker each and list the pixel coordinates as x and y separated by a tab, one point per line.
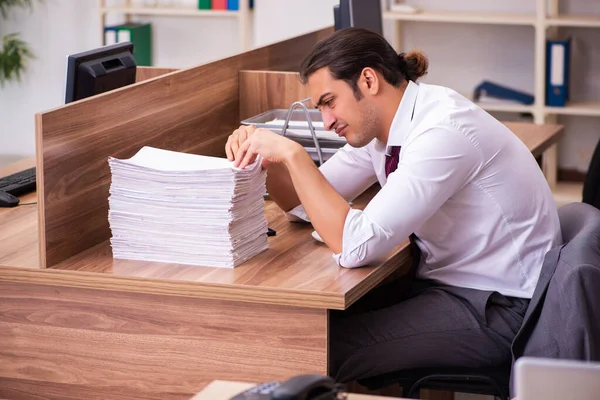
404	115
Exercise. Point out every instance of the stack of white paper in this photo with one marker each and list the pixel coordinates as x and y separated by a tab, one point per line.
185	208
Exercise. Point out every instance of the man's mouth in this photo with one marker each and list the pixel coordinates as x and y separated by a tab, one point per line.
341	130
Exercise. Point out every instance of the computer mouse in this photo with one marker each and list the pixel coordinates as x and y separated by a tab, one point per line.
8	200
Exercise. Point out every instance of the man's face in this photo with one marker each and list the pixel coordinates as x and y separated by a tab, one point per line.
356	120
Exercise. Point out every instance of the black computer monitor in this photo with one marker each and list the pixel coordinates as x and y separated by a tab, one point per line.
100	70
359	13
337	23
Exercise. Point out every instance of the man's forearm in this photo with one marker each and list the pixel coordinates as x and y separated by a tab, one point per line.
280	187
326	209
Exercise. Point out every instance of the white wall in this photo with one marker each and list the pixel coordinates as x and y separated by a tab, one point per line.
182	42
460	55
54	28
275	20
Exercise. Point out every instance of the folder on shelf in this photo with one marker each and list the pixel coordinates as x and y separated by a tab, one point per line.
219	4
493	90
558	55
233	5
204	4
141	37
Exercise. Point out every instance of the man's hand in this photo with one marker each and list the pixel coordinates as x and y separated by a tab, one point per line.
236	139
297	179
273	148
279	183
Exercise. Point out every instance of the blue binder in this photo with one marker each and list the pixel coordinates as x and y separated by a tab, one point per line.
501	92
558	55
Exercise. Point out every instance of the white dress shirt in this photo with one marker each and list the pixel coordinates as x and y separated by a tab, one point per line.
465	185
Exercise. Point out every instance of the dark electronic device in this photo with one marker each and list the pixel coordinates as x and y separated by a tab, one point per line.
8	200
302	387
15	185
360	14
99	70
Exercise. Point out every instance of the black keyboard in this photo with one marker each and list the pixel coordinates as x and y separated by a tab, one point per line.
19	183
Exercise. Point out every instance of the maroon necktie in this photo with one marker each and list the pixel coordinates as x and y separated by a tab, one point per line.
391	160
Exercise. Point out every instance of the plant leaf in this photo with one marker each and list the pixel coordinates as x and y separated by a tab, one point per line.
6	5
14	55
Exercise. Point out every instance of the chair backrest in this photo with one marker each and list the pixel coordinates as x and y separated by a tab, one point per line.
591	185
567	290
562	320
579	221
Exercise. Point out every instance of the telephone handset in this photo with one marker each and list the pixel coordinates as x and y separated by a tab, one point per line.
302	387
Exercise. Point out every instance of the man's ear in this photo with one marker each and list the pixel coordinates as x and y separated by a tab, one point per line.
370	81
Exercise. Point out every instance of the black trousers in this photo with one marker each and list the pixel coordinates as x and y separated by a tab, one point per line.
412	323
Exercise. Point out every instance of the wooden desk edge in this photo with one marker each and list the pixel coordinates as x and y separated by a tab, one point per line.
398	263
242	293
550	141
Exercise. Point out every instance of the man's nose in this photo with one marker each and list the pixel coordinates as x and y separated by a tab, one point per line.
328	120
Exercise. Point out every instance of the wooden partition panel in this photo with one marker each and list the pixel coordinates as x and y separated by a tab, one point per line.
192	110
261	91
68	343
145	73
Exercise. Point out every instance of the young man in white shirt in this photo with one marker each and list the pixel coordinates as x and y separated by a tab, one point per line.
458	182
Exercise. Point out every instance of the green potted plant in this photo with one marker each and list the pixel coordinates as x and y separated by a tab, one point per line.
14	52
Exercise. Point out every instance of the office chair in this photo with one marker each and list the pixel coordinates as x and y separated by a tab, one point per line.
580	225
591	185
562	318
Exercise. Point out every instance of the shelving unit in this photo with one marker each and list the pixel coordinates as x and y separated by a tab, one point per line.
128	9
463	17
172	11
576	21
504	106
545	22
581	108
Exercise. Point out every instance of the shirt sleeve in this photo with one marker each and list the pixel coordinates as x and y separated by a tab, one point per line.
349	171
433	166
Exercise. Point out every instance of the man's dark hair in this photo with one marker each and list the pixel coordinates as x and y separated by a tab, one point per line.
348	51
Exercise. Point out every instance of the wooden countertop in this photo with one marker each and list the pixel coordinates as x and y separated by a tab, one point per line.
537	138
295	270
19	225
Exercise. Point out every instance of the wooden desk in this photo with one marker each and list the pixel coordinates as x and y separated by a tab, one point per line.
224	390
19	226
94	327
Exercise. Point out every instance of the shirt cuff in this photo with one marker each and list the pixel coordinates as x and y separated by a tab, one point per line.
297	214
358	229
